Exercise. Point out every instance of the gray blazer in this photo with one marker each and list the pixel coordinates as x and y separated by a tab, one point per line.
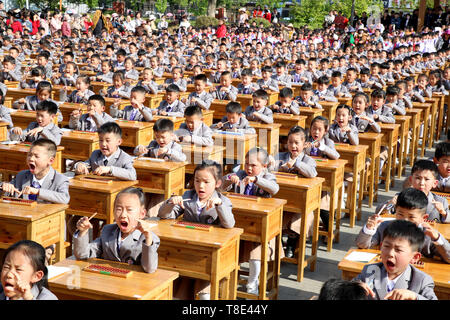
133	249
283	80
54	189
304	165
296	77
51	132
108	77
131	74
398	108
326	95
151	87
335	134
73	97
412	279
325	150
5	115
176	111
313	104
270	84
293	108
85	125
340	88
181	83
266	115
266	185
221	95
351	85
121	164
250	89
365	125
202	136
31	103
174	152
384	114
443	184
220	215
242	126
43	294
140	115
123	92
204	100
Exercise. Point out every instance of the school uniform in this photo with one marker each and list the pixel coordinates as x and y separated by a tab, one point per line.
296	77
443	184
349	86
105	77
158	71
218	215
398	107
250	89
424	92
283	80
87	123
38	294
384	114
120	162
174	152
32	101
411	279
201	136
337	135
5	115
265	185
150	87
131	74
265	112
50	131
203	100
364	125
415	96
176	109
231	94
293	108
122	92
242	126
313	103
215	76
270	84
325	95
29	84
340	89
75	98
132	250
69	81
256	73
53	188
12	75
131	113
437	88
304	165
325	149
235	74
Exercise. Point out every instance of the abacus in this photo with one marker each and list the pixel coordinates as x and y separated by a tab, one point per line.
192	225
442	194
286	175
108	270
430	222
243	196
23	202
319	159
100	179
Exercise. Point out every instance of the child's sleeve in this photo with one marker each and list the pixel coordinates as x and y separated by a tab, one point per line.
149	257
6	116
267	117
176	153
307	167
224	211
441	248
115	112
60	195
74	123
375	126
53	134
399	109
387	117
268	182
367	238
169	210
327	147
353	136
126	171
82	249
426	291
147	114
205	139
205	104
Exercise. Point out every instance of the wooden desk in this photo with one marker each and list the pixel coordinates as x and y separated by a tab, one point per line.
208	117
110	101
88	197
153	100
236	145
390	137
356	162
329	108
16	93
136	133
245	100
196	154
333	173
414	124
303	195
310	114
344	100
218	106
440	119
438	270
138	286
403	134
3	130
261	220
78	145
165	178
177	121
288	121
426	108
56	89
99	85
22	118
373	141
43	223
211	256
434	119
268	136
67	108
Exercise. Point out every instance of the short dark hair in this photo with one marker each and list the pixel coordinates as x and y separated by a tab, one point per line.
392	90
323	80
233	107
306	87
405	230
173	88
97	97
442	150
336	74
338	289
163	125
286	93
49	144
344	106
44	85
246	72
201	77
261	93
422	165
193	110
214	167
110	127
296	130
132	190
411	198
378	93
48	106
139	89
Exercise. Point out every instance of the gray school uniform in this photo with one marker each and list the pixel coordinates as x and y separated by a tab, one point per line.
223	95
283	80
250	89
326	149
296	77
181	83
13	75
256	73
270	84
201	136
51	132
131	113
349	86
120	162
54	188
32	101
69	81
326	95
43	294
74	98
86	123
415	96
5	115
215	77
436	88
108	77
424	92
219	215
366	240
174	152
335	134
411	279
384	114
123	92
364	125
133	249
265	186
158	71
293	108
314	102
266	115
235	74
443	184
151	87
304	165
340	89
131	74
204	100
398	108
242	126
174	110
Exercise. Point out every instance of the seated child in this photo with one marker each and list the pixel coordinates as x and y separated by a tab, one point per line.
221	67
247	86
194	130
69	77
130	239
234	120
224	91
177	79
378	109
286	102
81	94
267	82
200	97
307	97
342	131
406	101
442	160
171	106
94	118
336	86
147	82
136	111
350	83
106	73
394	278
129	72
109	160
436	82
5	113
392	101
43	127
119	89
422	86
361	119
259	111
413	95
300	75
338	289
281	76
24	273
37	75
322	91
10	72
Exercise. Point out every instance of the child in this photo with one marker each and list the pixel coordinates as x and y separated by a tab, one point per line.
221	68
413	95
129	72
411	205
281	76
164	146
379	111
336	87
436	84
202	205
350	83
37	75
393	102
307	97
299	74
136	111
109	160
177	78
361	119
247	86
43	127
5	113
295	161
422	86
286	104
82	93
259	111
394	278
322	91
128	240
147	82
193	130
225	91
234	121
255	180
10	72
442	160
106	73
119	89
342	131
24	273
171	106
267	82
94	118
402	98
69	77
200	97
338	289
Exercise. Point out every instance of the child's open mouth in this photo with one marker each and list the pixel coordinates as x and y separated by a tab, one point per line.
123	225
32	166
390	264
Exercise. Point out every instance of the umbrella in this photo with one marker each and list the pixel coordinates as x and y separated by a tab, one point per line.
169	14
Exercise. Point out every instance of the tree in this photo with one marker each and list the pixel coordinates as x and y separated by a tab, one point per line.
212	4
161	5
309	13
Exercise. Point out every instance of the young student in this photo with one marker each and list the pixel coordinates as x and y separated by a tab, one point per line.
43	60
259	111
379	111
247	86
24	273
411	204
322	91
129	72
130	239
203	204
109	160
336	86
394	278
442	160
37	75
94	118
366	81
158	69
43	127
267	82
424	175
194	130
436	83
225	91
254	180
351	83
177	79
69	77
421	87
81	94
164	146
361	119
200	97
171	105
234	120
338	289
221	68
136	111
342	131
119	89
300	75
147	82
10	72
281	76
392	101
307	97
402	98
5	113
413	95
254	66
286	103
106	73
295	161
236	67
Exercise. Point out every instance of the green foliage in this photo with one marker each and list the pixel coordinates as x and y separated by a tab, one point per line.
161	5
360	6
310	13
258	21
205	21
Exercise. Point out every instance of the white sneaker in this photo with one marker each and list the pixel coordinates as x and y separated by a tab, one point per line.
253	288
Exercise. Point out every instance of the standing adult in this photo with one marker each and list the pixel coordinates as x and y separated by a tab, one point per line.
129	25
257	13
2	10
87	23
35	23
163	24
55	22
138	20
65	27
386	19
329	19
243	16
267	15
221	31
14	23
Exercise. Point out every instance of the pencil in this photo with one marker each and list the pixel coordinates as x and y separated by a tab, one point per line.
92	216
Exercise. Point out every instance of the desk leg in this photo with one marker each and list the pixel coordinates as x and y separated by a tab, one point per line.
338	213
394	158
301	248
276	265
264	258
353	198
426	122
315	239
376	179
416	146
361	193
60	248
214	295
371	180
440	118
432	125
330	235
387	179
